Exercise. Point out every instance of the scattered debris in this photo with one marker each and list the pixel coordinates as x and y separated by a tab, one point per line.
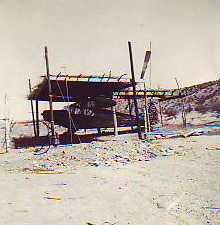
212	148
53	198
213	209
61	184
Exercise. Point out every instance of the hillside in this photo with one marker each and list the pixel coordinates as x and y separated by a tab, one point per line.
202	102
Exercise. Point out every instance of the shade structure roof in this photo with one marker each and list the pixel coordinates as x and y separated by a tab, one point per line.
73	88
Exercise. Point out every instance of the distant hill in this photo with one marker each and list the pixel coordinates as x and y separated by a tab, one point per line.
203	99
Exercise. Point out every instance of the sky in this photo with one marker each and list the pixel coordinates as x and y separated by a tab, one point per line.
90	37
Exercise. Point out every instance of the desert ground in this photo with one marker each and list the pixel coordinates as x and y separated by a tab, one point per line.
117	181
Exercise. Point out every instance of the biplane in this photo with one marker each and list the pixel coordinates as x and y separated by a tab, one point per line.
89	101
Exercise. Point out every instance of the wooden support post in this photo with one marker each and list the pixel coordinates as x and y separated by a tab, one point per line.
70	125
161	113
6	128
150	66
184	113
69	113
115	120
183	106
145	122
37	119
50	97
6	141
32	110
147	119
99	131
145	114
134	91
130	113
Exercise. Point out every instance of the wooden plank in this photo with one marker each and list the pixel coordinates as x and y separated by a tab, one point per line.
32	110
115	120
134	91
37	119
161	113
50	97
130	112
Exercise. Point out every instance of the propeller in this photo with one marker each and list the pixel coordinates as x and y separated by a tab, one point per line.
146	60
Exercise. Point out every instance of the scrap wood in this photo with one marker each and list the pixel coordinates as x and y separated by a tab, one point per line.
42	171
39	152
47	172
213	148
53	198
108	223
105	223
187	134
2	153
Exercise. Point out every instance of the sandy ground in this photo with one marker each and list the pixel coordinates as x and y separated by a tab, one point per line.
182	187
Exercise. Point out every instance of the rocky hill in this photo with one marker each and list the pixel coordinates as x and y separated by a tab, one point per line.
202	101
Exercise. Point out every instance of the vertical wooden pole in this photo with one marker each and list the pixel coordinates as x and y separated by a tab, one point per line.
146	109
37	119
32	110
50	97
6	135
150	81
69	113
115	120
148	116
6	119
145	113
183	106
130	113
145	122
99	131
134	91
161	113
150	66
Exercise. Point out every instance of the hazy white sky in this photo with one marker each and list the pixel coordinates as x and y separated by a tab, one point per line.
90	36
